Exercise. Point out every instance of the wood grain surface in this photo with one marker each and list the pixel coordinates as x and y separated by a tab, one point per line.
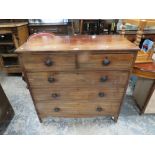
77	76
78	43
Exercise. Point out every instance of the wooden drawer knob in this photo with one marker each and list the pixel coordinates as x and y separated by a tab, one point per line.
101	94
48	62
99	109
56	109
55	95
103	78
51	79
106	61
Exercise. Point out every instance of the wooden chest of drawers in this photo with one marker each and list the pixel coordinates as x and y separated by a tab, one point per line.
78	76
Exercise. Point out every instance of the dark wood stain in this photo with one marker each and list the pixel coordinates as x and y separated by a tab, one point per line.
69	85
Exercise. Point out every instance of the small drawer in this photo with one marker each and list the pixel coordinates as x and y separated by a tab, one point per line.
48	62
78	79
102	94
105	61
78	109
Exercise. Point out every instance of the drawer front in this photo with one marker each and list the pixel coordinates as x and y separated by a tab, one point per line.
75	110
105	61
102	94
51	62
78	79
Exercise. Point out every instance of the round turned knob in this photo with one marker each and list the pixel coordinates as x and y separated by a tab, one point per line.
55	95
101	94
99	109
106	61
48	62
104	78
51	79
56	109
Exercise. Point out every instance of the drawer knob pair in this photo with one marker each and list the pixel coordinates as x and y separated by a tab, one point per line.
103	78
101	94
48	62
56	109
99	109
106	61
51	79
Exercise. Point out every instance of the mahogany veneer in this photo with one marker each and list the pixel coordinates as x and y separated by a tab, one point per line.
78	76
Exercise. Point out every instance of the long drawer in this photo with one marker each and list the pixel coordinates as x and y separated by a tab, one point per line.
78	79
75	110
63	95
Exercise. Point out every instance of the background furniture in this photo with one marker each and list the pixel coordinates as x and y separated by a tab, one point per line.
59	28
6	111
142	56
131	34
98	26
77	76
12	35
144	92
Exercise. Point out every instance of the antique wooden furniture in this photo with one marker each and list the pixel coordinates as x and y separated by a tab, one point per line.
61	28
98	26
142	56
144	92
6	111
89	26
78	76
12	35
131	34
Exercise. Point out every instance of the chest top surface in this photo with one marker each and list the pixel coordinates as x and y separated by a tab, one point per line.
77	43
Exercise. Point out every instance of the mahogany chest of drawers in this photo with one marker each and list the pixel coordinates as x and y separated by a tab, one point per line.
78	76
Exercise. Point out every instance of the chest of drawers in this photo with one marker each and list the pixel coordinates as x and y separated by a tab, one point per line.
78	76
